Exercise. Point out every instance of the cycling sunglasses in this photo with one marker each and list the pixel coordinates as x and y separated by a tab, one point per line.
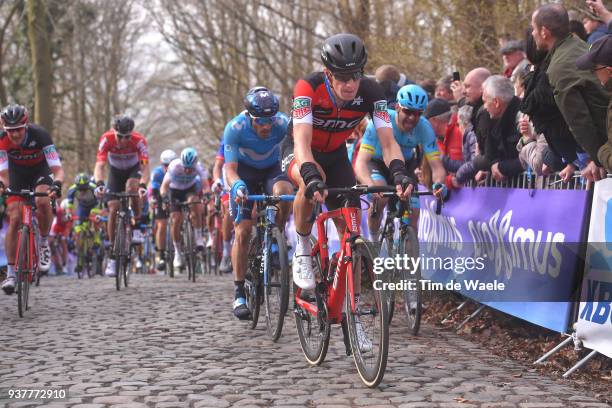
263	121
355	76
120	136
410	112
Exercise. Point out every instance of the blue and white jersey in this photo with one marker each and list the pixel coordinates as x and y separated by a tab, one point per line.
157	177
183	180
422	134
243	145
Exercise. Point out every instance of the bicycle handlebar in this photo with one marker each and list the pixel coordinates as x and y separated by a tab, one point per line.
272	198
122	194
25	193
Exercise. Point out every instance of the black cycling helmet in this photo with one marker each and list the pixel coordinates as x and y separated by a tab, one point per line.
261	102
344	53
123	124
14	116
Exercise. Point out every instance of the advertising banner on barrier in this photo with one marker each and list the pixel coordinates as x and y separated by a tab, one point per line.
523	249
594	325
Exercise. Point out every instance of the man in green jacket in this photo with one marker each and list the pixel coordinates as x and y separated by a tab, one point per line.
579	96
599	61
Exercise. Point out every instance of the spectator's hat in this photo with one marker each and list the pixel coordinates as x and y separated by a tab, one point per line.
600	52
512	46
437	107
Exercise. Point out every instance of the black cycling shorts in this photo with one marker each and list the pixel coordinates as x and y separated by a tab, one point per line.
28	178
179	196
117	178
336	166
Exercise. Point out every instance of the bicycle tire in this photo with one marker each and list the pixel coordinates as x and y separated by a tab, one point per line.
128	248
22	276
389	274
169	249
277	286
371	364
409	246
218	252
252	279
313	331
118	251
189	249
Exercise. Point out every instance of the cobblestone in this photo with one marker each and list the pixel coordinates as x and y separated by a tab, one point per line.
166	343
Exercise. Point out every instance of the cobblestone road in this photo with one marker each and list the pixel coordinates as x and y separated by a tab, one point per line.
169	343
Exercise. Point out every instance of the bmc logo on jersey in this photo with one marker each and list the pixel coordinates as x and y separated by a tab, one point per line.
336	123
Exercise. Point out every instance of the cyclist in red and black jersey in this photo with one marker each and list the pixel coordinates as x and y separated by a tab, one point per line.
127	155
28	161
327	106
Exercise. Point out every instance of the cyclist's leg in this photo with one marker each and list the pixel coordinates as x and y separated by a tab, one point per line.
379	174
117	180
44	214
10	242
196	211
176	196
131	186
227	225
278	183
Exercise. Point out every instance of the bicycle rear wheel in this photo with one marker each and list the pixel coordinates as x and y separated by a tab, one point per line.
313	331
409	247
276	289
253	280
368	320
23	271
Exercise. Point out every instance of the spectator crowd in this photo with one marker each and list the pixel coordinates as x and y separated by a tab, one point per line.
547	111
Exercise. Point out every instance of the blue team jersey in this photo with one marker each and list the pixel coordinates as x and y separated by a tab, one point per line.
157	176
243	145
423	134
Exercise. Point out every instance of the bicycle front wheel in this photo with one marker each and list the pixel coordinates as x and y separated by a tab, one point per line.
253	279
118	251
276	287
409	247
23	271
189	249
313	330
388	250
367	317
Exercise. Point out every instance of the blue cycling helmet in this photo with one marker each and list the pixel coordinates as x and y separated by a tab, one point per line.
189	157
261	102
412	97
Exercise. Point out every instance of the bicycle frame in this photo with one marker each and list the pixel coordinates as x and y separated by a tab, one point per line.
336	293
269	219
28	212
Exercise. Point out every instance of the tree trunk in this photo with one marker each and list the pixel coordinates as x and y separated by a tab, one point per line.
40	51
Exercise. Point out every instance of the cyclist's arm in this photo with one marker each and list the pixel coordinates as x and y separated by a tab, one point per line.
362	172
218	168
231	142
146	171
4	166
165	185
390	149
302	140
99	170
438	174
58	173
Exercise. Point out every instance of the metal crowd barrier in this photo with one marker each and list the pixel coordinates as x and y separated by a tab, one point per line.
530	181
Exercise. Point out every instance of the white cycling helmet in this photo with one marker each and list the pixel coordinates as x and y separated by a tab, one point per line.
167	156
